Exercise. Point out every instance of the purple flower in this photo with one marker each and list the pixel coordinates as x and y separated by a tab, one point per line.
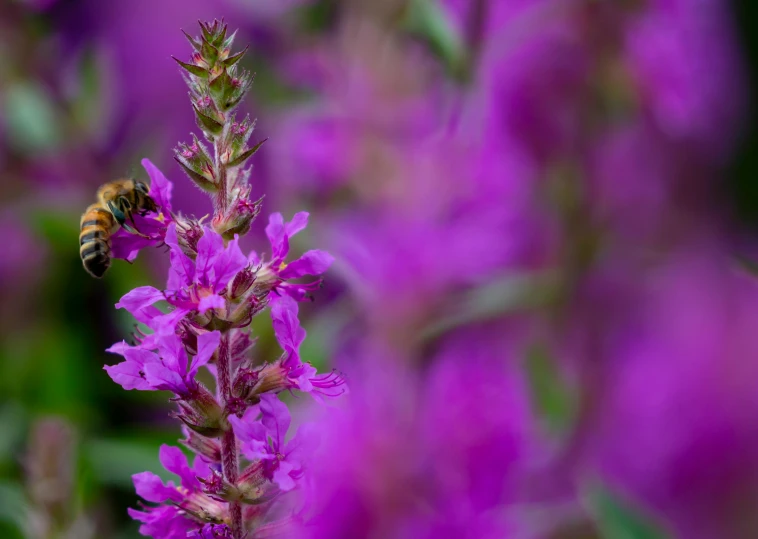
264	441
169	369
193	286
276	271
674	428
439	455
289	372
188	508
152	227
212	531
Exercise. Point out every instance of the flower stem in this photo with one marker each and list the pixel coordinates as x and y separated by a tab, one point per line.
221	198
229	456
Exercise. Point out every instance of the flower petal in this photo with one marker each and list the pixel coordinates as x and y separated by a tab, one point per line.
214	301
277	237
209	247
151	488
276	419
282	476
311	263
181	273
158	376
228	263
128	375
135	301
174	460
160	187
207	343
286	325
299	222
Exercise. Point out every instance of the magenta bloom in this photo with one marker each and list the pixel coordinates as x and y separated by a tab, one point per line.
277	271
152	226
192	285
168	370
289	372
184	508
212	531
264	440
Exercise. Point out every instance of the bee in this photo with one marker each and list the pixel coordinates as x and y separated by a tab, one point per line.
117	201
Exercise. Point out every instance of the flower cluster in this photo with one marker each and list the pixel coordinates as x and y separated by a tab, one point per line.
201	320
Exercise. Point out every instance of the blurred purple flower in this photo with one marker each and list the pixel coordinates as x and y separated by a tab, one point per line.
684	59
438	454
675	426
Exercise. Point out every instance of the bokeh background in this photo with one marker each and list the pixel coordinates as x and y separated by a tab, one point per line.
545	219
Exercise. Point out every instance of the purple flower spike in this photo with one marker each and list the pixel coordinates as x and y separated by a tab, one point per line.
152	226
213	292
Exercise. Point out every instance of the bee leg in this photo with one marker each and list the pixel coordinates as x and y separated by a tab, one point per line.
121	216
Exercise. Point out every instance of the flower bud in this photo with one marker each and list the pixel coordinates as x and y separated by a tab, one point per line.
241	343
207	447
254	487
197	164
272	378
219	488
244	383
188	232
242	282
202	413
243	314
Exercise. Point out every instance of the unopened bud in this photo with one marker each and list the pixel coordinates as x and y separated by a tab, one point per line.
202	413
241	343
242	282
188	233
207	447
254	487
244	383
219	488
271	379
243	314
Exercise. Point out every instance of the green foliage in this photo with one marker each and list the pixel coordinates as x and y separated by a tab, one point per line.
620	519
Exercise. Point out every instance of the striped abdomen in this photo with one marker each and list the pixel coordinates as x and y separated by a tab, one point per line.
97	225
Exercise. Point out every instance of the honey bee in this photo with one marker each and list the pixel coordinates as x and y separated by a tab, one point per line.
117	201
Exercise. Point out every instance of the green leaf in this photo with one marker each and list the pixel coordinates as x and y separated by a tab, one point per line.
195	43
619	519
427	20
206	123
13	506
192	68
115	461
201	181
245	155
12	427
508	294
229	62
551	396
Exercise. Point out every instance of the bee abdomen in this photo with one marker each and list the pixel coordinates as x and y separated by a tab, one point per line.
94	240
